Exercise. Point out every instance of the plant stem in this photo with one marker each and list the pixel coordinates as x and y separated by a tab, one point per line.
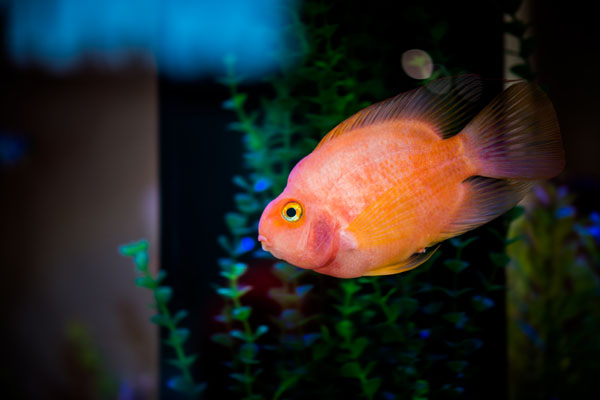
164	310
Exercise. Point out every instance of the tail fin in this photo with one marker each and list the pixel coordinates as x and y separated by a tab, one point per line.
516	136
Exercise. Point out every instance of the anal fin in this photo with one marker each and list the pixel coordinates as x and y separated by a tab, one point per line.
410	263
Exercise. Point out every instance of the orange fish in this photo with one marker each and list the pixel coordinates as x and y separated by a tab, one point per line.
392	181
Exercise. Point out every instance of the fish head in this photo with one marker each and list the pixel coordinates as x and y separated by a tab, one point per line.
299	230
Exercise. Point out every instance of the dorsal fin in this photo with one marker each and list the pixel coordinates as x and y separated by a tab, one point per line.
447	104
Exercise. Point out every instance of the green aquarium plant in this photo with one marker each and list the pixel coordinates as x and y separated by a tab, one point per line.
553	279
291	359
93	378
409	336
166	319
413	335
418	335
521	31
236	315
274	141
553	298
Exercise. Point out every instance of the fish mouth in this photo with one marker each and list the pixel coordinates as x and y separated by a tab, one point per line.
264	242
266	246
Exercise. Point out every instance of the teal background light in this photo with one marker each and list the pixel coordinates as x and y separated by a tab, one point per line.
186	39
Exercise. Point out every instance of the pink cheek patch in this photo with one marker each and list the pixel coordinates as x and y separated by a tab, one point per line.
321	242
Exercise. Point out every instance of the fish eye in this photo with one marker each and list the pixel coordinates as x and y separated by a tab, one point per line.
292	211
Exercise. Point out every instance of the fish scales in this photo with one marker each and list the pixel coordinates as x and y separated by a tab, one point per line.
390	182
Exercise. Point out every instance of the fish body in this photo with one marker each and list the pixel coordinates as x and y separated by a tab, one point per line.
390	182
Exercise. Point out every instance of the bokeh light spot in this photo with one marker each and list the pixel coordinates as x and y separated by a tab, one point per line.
417	64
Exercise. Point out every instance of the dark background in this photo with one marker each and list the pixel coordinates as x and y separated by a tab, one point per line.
101	171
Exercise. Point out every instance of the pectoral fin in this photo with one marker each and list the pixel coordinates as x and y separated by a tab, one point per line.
410	263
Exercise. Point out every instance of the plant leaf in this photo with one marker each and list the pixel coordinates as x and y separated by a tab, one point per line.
183	363
241	313
160	320
350	287
179	315
163	294
131	249
455	265
145	282
248	352
236	333
222	339
178	336
499	259
358	347
260	330
344	328
371	386
179	384
350	370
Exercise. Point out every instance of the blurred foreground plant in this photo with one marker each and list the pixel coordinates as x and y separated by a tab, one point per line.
166	319
93	377
553	301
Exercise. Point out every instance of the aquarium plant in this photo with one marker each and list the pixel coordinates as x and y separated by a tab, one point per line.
416	335
521	31
553	298
85	360
553	279
408	336
167	319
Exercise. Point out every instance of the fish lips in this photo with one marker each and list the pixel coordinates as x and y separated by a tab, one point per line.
266	246
264	242
317	248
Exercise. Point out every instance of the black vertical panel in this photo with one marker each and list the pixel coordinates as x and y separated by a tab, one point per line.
475	42
567	59
198	157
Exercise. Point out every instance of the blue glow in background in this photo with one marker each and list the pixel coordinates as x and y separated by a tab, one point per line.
184	38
